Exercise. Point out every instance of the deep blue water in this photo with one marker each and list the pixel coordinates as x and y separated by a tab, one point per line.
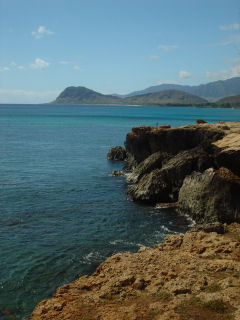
61	214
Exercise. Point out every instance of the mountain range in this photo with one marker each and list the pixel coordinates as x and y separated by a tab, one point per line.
210	91
164	94
82	95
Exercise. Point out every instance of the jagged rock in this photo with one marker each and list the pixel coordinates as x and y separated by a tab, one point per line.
227	150
117	173
154	161
164	126
163	282
209	227
162	185
117	153
200	121
151	188
211	196
143	141
166	205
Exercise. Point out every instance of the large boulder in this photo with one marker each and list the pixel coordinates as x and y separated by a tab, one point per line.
213	195
163	184
117	153
154	161
227	151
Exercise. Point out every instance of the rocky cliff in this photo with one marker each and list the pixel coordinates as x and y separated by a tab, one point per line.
190	277
195	276
197	166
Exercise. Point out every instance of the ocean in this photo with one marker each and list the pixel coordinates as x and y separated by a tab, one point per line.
61	213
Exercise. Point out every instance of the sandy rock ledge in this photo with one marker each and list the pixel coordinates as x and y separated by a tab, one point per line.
190	277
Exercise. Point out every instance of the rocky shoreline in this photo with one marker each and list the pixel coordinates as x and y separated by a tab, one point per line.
190	277
196	169
195	166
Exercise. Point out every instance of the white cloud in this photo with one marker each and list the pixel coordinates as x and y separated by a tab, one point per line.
167	47
24	96
76	67
232	39
224	74
217	75
41	32
64	62
233	26
154	57
183	74
21	67
3	69
158	82
13	64
40	64
235	70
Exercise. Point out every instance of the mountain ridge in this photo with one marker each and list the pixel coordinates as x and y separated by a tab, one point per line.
82	95
210	91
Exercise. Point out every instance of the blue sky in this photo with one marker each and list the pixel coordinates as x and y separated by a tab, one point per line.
114	46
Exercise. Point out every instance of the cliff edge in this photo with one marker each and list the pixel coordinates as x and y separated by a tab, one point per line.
195	166
190	277
195	276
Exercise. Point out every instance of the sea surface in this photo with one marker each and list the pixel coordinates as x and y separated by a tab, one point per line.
61	213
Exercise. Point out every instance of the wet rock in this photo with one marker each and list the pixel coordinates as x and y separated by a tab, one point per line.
117	153
117	173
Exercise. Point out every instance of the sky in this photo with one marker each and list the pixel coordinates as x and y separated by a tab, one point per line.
114	46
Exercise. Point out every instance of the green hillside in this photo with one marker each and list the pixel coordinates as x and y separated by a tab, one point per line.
82	95
167	97
210	91
232	101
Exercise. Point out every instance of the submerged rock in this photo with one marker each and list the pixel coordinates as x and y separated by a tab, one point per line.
213	195
117	153
117	173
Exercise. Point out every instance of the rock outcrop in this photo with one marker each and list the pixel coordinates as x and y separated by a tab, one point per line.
143	141
163	158
117	153
163	184
213	195
190	277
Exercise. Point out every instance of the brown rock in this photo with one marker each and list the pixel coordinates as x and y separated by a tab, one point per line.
117	153
211	196
157	284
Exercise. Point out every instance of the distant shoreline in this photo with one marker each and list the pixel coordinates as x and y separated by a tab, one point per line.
209	105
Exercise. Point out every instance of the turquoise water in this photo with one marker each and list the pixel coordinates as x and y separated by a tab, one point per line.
61	214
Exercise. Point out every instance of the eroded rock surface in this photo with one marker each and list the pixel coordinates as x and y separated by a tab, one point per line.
143	141
117	153
163	157
163	184
213	195
195	276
